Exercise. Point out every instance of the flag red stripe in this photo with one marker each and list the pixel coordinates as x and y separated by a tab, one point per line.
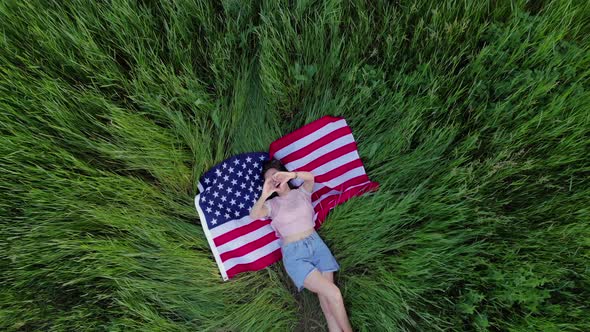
329	156
325	202
240	231
336	172
249	247
351	182
259	264
339	199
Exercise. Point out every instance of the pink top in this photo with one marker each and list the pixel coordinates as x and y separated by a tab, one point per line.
291	214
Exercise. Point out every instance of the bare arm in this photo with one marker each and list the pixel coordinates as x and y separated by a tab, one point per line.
308	180
259	211
307	177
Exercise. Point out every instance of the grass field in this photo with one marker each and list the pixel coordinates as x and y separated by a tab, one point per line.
474	117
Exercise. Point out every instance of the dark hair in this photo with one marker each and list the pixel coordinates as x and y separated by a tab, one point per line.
278	165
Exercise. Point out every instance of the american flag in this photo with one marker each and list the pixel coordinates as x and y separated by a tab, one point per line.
327	149
228	191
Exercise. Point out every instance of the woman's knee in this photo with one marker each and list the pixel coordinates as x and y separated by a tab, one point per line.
334	295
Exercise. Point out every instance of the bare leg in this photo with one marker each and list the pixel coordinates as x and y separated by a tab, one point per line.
319	284
330	319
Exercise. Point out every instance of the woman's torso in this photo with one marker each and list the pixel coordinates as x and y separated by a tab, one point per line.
293	215
297	236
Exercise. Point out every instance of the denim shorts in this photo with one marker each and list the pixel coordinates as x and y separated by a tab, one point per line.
303	256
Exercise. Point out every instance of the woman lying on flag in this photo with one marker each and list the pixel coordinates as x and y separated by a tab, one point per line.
307	259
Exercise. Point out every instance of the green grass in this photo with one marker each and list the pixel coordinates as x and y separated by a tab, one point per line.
474	116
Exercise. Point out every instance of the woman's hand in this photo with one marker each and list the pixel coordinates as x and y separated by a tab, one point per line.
268	187
283	177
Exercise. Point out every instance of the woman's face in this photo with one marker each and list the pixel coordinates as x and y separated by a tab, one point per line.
282	188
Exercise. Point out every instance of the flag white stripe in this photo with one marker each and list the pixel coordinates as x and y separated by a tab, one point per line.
327	166
246	238
338	162
252	256
230	225
310	138
322	150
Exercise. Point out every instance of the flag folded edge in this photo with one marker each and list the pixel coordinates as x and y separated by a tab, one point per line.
209	236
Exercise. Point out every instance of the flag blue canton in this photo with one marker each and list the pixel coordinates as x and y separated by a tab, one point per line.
231	188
